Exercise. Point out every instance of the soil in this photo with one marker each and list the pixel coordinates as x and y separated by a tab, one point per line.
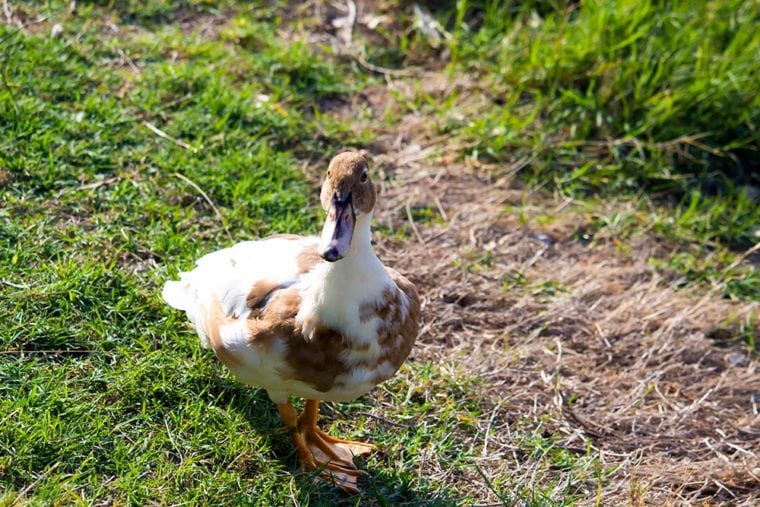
578	335
571	335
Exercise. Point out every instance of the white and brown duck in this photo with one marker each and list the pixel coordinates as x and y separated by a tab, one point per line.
320	318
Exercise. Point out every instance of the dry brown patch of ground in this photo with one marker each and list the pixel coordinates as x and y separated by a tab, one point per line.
583	340
571	337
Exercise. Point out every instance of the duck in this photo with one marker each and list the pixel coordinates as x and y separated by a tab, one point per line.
314	317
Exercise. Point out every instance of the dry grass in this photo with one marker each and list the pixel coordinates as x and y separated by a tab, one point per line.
585	341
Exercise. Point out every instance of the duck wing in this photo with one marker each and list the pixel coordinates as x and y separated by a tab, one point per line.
237	280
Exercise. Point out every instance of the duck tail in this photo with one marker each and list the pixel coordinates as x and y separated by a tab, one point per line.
179	295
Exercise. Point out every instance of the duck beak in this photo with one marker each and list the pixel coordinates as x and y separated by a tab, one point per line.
338	229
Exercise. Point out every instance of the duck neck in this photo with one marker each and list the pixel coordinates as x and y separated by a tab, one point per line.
361	243
360	256
340	287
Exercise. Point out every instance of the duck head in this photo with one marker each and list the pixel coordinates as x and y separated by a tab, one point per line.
347	195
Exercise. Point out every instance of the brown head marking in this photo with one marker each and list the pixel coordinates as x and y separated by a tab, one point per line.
348	173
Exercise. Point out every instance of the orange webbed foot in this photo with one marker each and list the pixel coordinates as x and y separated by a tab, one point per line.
318	451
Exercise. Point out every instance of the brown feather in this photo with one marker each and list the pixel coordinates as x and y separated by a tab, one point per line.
213	318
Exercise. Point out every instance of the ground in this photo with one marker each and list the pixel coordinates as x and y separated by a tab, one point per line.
578	211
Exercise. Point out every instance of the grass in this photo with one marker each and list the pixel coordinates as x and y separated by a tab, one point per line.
133	142
106	394
614	98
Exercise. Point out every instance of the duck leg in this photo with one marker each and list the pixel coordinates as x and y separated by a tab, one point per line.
319	451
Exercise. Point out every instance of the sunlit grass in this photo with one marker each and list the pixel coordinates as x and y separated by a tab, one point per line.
132	143
611	99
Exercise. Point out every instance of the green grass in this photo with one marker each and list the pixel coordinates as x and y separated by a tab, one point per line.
644	75
105	394
611	98
96	209
655	103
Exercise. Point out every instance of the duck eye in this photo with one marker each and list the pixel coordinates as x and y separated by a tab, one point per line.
364	177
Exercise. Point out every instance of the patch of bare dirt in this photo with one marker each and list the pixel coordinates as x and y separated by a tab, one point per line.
574	338
205	25
584	339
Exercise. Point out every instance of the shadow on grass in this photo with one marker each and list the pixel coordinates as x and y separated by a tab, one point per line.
384	484
378	487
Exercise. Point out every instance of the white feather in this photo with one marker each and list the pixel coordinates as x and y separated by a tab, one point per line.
333	292
229	275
